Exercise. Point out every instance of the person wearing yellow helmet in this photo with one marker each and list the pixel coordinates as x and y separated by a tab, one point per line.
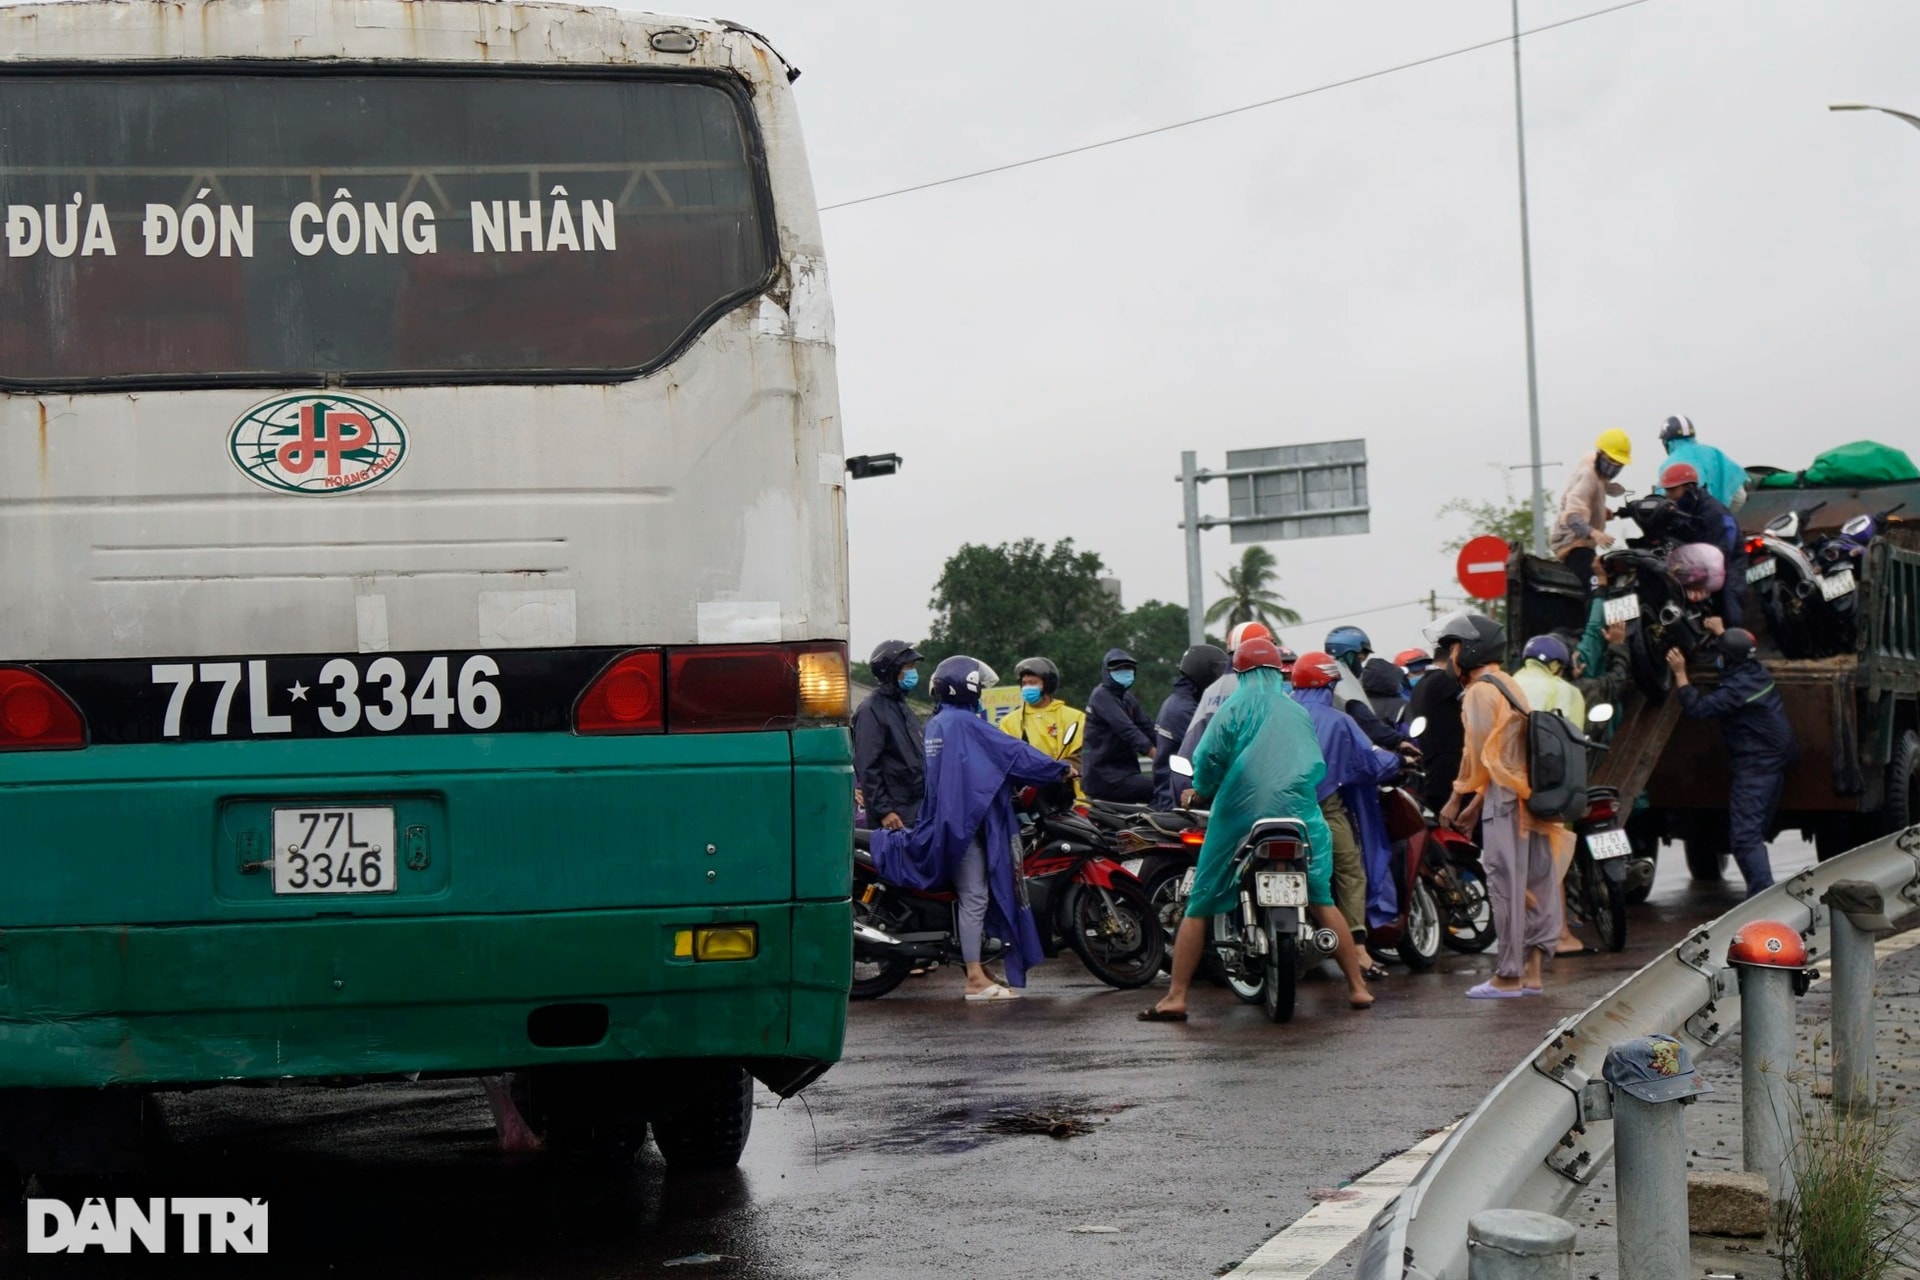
1580	530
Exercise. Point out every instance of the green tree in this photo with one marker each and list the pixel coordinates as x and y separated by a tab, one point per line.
1250	593
1510	521
1021	599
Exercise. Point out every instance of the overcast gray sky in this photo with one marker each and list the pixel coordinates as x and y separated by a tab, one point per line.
1042	344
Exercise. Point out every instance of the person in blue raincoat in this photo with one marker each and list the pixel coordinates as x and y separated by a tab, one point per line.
966	836
1258	759
1350	793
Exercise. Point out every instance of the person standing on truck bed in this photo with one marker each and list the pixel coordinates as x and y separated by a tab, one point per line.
889	760
1705	519
1760	744
1724	478
1580	530
1118	734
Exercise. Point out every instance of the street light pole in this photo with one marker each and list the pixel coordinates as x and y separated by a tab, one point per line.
1526	292
1861	106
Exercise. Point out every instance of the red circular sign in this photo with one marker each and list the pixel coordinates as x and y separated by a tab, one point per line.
1482	567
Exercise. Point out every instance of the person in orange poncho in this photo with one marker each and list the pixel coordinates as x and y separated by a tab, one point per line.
1492	789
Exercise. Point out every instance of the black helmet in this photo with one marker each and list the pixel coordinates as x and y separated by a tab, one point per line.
1482	641
1042	667
1736	645
1678	427
1203	664
888	657
959	681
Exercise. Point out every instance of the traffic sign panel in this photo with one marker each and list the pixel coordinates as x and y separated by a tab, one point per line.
1482	567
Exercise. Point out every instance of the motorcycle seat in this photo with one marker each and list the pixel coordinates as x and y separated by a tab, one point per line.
1170	824
863	857
1118	808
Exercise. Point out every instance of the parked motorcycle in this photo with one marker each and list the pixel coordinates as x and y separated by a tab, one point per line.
1418	861
1159	848
1786	580
1080	895
1838	557
1596	882
1450	870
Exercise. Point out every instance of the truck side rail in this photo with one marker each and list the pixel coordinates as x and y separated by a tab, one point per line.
1527	1145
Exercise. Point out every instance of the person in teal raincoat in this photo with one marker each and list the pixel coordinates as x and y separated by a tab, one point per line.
1260	758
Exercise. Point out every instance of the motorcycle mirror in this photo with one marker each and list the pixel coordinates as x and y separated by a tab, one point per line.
1418	727
1600	713
1180	765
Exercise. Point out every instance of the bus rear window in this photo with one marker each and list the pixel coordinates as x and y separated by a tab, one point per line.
283	227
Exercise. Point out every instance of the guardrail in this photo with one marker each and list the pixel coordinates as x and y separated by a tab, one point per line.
1528	1144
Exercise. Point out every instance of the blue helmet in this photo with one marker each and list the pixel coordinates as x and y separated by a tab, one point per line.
1347	644
1548	649
959	681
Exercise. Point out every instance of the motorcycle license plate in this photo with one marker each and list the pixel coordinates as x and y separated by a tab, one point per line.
1762	569
1186	882
1608	844
1280	888
1835	585
1622	608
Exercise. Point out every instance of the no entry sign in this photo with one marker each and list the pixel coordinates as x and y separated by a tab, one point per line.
1483	567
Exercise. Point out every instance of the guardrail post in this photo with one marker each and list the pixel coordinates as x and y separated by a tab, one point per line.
1857	912
1768	957
1514	1244
1652	1078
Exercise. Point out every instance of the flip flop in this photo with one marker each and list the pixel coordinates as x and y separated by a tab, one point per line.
1532	991
994	992
1357	1005
1582	950
1151	1014
1487	991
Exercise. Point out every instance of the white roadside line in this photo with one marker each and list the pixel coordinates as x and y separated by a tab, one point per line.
1331	1225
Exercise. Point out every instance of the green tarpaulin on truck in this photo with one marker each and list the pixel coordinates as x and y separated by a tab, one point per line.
1864	462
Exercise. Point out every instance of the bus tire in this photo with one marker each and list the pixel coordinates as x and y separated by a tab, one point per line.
1706	858
582	1113
709	1130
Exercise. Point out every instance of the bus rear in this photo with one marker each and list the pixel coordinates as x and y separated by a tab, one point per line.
422	647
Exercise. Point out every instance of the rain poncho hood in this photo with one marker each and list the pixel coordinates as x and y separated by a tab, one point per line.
969	764
1356	768
1260	758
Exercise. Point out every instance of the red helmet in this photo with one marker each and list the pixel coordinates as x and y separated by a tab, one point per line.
1408	659
1679	473
1256	652
1767	942
1245	631
1315	670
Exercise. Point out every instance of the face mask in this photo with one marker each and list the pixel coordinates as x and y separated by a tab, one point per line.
1030	694
1123	677
908	679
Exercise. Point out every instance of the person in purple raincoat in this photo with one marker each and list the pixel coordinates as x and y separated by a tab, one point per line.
966	836
1355	770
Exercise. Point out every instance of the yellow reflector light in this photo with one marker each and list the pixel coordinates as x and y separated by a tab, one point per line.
824	693
717	942
726	942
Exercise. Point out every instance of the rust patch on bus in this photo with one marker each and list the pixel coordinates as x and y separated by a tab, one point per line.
43	446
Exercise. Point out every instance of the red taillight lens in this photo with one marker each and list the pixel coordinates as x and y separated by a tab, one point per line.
36	716
627	697
1193	837
723	687
1604	809
1279	850
1755	544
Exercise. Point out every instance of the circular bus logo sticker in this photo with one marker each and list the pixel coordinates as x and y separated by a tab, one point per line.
318	443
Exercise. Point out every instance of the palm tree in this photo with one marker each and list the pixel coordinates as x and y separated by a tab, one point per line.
1250	595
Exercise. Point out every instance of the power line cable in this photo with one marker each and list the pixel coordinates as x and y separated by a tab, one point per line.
1221	115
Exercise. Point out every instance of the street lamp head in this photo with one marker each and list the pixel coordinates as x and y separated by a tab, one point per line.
1867	106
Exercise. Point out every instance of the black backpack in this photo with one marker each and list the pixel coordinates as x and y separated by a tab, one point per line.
1556	762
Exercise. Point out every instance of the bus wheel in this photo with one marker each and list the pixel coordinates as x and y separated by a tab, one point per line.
1903	784
708	1130
583	1112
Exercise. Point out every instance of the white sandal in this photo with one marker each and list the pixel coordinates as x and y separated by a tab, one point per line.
994	992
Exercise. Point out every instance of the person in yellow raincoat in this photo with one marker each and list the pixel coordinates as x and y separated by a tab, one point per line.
1042	720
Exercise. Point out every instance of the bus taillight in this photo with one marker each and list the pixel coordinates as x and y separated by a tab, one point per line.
624	698
716	688
34	715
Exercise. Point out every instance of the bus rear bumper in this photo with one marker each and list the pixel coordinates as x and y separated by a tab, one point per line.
200	1004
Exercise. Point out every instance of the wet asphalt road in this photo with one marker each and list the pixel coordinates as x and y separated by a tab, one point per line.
1205	1139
